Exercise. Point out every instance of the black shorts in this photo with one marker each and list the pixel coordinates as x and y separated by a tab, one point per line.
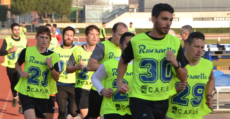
144	109
39	105
82	98
95	101
117	116
51	105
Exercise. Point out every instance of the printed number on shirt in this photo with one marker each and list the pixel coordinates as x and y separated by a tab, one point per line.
117	97
153	72
197	93
35	72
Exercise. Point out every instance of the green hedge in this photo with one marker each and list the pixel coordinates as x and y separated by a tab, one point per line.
140	30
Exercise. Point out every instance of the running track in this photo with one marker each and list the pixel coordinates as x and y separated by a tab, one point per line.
6	109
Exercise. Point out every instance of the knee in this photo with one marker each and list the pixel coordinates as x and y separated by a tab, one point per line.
73	113
62	111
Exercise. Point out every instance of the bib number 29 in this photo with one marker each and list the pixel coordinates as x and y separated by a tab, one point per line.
197	93
155	70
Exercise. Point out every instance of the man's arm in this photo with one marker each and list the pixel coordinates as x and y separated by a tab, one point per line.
56	71
25	31
209	88
98	55
211	84
126	57
3	50
97	77
71	67
182	71
18	64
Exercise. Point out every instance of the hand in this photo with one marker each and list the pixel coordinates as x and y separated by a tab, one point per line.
181	86
24	74
107	92
171	58
49	62
122	88
209	101
13	49
81	65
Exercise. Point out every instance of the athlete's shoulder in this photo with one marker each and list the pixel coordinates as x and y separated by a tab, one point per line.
57	48
138	36
171	37
8	37
206	62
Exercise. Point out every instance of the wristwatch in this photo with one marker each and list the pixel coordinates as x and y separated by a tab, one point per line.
179	65
52	68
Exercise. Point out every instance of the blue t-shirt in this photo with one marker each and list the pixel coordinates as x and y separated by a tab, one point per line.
59	32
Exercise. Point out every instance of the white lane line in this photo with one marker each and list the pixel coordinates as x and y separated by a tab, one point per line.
4	106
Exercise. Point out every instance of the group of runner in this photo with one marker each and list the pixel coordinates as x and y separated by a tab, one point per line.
128	76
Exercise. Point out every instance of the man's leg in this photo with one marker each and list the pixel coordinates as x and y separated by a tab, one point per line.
140	109
12	74
72	107
29	114
95	101
50	108
61	98
113	116
82	101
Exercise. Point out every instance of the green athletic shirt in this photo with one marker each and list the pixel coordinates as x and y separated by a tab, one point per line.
191	103
102	33
53	43
111	51
64	55
22	34
152	73
118	103
40	83
131	29
83	77
11	58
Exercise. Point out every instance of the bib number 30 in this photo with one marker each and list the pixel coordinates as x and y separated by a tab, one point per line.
155	70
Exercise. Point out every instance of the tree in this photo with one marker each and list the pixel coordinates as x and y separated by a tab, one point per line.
42	7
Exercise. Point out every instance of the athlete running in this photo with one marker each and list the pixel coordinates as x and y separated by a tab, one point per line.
114	104
196	100
106	50
42	68
78	63
156	55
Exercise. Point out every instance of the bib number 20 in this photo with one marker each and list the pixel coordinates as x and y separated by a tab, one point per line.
35	73
155	70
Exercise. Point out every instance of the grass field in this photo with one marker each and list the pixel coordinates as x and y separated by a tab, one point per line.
214	41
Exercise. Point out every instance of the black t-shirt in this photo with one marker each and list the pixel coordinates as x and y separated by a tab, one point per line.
22	56
3	50
127	55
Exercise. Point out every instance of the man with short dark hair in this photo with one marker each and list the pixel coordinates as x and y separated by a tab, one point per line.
54	42
23	30
58	30
131	29
104	51
114	104
66	82
157	59
102	32
195	101
11	49
41	70
77	63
